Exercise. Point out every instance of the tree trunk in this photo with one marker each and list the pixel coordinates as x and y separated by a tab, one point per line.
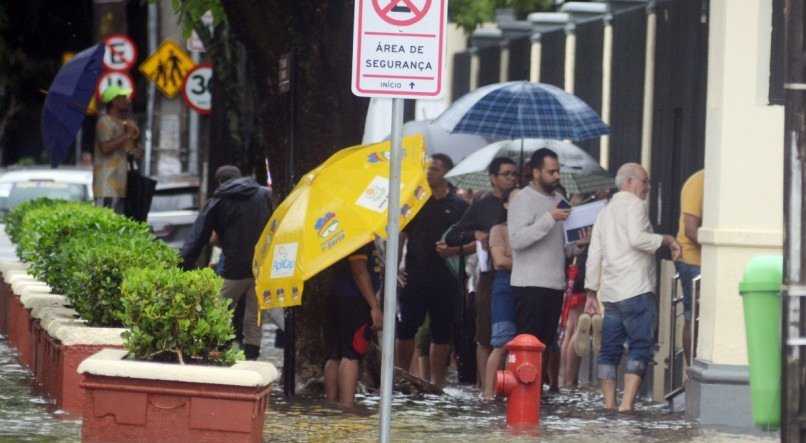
228	138
328	116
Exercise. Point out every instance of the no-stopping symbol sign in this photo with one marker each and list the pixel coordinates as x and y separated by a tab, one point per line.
120	52
196	89
399	48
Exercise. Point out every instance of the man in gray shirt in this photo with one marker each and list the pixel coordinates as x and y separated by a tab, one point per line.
538	249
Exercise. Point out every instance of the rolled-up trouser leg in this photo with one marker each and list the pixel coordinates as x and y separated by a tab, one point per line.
640	326
233	290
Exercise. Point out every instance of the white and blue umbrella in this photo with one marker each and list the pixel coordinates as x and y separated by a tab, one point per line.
579	172
523	109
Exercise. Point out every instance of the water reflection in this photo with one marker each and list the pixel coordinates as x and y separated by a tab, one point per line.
26	414
460	416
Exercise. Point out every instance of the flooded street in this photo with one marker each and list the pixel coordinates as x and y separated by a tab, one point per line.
567	416
27	415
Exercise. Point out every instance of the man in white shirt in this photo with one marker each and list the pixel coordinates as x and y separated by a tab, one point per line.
621	271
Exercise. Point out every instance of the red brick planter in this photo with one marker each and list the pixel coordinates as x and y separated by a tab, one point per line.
35	302
6	268
17	316
5	290
63	343
30	296
140	401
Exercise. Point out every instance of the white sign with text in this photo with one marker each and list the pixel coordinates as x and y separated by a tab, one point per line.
399	48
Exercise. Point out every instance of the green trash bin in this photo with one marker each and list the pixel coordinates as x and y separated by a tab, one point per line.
761	293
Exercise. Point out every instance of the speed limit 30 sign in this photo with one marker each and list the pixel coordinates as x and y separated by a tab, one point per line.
196	89
399	48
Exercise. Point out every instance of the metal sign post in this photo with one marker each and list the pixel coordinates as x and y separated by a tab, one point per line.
390	273
286	86
398	52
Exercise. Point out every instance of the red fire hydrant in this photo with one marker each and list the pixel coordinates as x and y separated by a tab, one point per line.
522	380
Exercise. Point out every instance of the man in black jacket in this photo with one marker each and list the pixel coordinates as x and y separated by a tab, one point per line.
237	212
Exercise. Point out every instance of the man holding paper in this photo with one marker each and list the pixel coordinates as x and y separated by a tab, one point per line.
621	271
538	249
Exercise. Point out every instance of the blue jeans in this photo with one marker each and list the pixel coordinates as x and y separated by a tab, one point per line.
502	310
631	320
687	273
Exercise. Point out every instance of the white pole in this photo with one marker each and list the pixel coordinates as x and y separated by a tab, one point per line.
503	66
570	56
390	277
148	134
534	62
193	131
649	92
607	66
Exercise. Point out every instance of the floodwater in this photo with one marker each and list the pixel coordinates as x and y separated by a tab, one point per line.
26	414
460	416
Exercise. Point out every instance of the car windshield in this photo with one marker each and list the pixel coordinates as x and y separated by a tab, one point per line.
175	199
30	190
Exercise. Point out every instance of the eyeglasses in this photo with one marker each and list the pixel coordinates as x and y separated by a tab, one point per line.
508	174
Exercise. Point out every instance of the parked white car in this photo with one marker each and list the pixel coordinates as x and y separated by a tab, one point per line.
19	185
174	206
174	209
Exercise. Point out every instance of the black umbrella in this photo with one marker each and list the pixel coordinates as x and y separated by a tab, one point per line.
139	193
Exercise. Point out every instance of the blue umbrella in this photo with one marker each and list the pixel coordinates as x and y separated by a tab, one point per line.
522	110
67	100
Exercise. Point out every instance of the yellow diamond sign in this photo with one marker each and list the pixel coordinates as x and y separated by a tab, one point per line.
167	67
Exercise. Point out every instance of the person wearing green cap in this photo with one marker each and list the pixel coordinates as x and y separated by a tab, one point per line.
115	138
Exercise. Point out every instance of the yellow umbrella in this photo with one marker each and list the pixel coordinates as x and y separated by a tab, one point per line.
334	210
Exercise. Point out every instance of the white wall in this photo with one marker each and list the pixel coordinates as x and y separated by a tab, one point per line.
743	207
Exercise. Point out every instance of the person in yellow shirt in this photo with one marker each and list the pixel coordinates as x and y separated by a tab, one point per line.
689	265
115	138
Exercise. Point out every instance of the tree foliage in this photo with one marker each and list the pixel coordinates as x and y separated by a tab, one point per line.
469	14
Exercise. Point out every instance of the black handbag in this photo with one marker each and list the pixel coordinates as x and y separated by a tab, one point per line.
139	192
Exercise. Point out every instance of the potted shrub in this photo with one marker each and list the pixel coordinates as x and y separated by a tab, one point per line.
81	252
90	271
44	231
179	377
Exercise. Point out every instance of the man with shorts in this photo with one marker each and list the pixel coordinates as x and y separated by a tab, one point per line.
689	265
482	215
621	271
352	309
429	286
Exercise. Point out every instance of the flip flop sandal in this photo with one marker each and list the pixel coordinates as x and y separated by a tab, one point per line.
596	326
582	335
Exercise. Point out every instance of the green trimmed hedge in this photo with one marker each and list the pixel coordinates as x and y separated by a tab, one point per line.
175	315
91	270
115	272
13	218
44	230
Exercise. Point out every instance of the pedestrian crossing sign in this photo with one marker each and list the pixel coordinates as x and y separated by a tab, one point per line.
167	67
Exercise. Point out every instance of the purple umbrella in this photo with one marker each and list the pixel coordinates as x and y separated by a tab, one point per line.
67	100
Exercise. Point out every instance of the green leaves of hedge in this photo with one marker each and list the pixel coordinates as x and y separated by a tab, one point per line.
115	272
13	218
45	229
90	271
177	315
